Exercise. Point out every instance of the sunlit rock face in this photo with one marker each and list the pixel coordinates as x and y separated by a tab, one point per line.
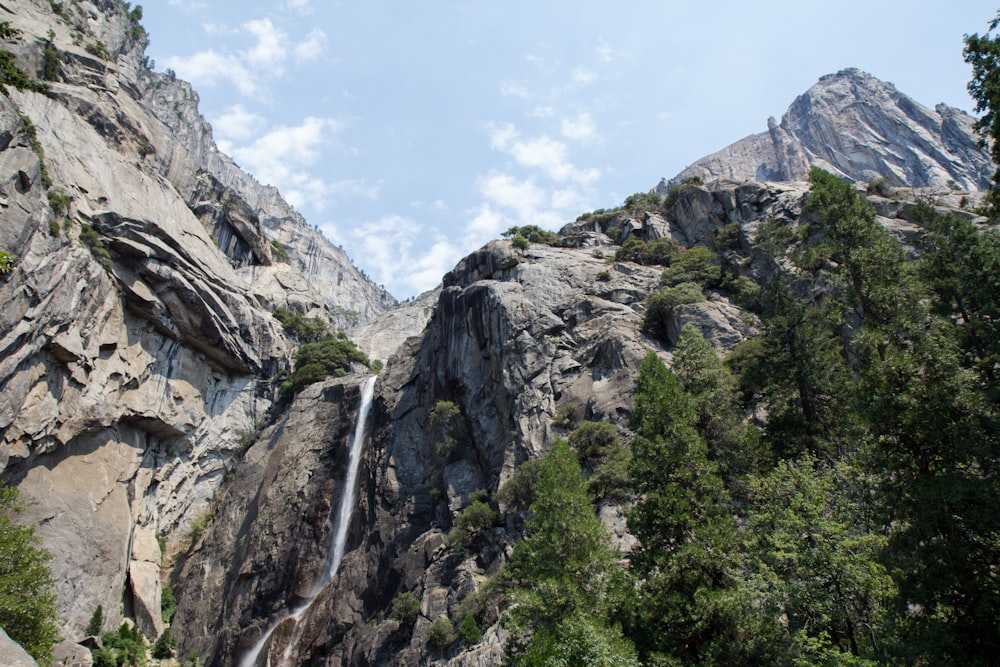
859	127
139	349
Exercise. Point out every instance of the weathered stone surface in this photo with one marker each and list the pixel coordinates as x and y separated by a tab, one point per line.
71	654
12	654
859	127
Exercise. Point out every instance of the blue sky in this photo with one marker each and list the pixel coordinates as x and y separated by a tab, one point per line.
412	133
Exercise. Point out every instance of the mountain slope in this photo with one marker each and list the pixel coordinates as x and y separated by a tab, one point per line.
861	128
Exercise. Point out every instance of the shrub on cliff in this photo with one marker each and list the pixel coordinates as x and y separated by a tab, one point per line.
332	356
27	603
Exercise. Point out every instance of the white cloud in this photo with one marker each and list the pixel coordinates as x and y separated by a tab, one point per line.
580	128
250	69
604	52
284	155
300	6
237	124
508	89
187	6
312	47
542	112
209	68
387	244
271	48
583	76
542	152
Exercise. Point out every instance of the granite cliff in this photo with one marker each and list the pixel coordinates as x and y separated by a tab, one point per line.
139	349
856	126
139	410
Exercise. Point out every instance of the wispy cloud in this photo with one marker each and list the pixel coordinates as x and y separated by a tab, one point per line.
583	76
285	157
388	245
581	128
250	69
541	152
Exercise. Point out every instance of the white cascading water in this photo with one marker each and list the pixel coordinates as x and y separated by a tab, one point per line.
340	524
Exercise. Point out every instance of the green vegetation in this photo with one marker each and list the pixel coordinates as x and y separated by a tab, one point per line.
91	239
36	146
453	430
660	251
279	251
518	492
7	262
332	356
469	631
96	624
851	525
98	49
405	608
304	329
563	578
198	526
122	648
59	201
51	63
10	73
168	604
471	522
520	242
660	304
165	646
983	53
533	234
441	634
27	603
603	276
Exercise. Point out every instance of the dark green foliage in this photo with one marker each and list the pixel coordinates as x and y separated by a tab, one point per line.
51	63
533	234
59	201
165	646
91	239
660	304
317	361
696	265
405	608
27	603
441	634
10	73
562	575
983	53
7	262
566	417
36	146
125	647
520	242
469	631
677	188
603	276
642	201
452	428
712	389
727	237
472	522
96	624
168	604
279	251
688	564
304	329
579	641
98	49
601	452
518	492
648	253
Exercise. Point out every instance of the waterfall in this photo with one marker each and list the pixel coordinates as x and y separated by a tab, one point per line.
338	531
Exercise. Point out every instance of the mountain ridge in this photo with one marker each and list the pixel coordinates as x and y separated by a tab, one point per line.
859	127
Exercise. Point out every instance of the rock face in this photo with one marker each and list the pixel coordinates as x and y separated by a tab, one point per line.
861	128
138	352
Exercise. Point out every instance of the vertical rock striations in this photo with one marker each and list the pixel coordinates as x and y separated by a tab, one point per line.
861	128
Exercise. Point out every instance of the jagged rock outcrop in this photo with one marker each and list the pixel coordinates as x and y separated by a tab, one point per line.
138	352
861	128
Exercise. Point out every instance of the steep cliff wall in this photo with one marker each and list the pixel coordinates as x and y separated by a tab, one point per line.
859	127
139	352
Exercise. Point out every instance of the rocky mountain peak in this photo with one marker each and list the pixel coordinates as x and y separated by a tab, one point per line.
861	128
